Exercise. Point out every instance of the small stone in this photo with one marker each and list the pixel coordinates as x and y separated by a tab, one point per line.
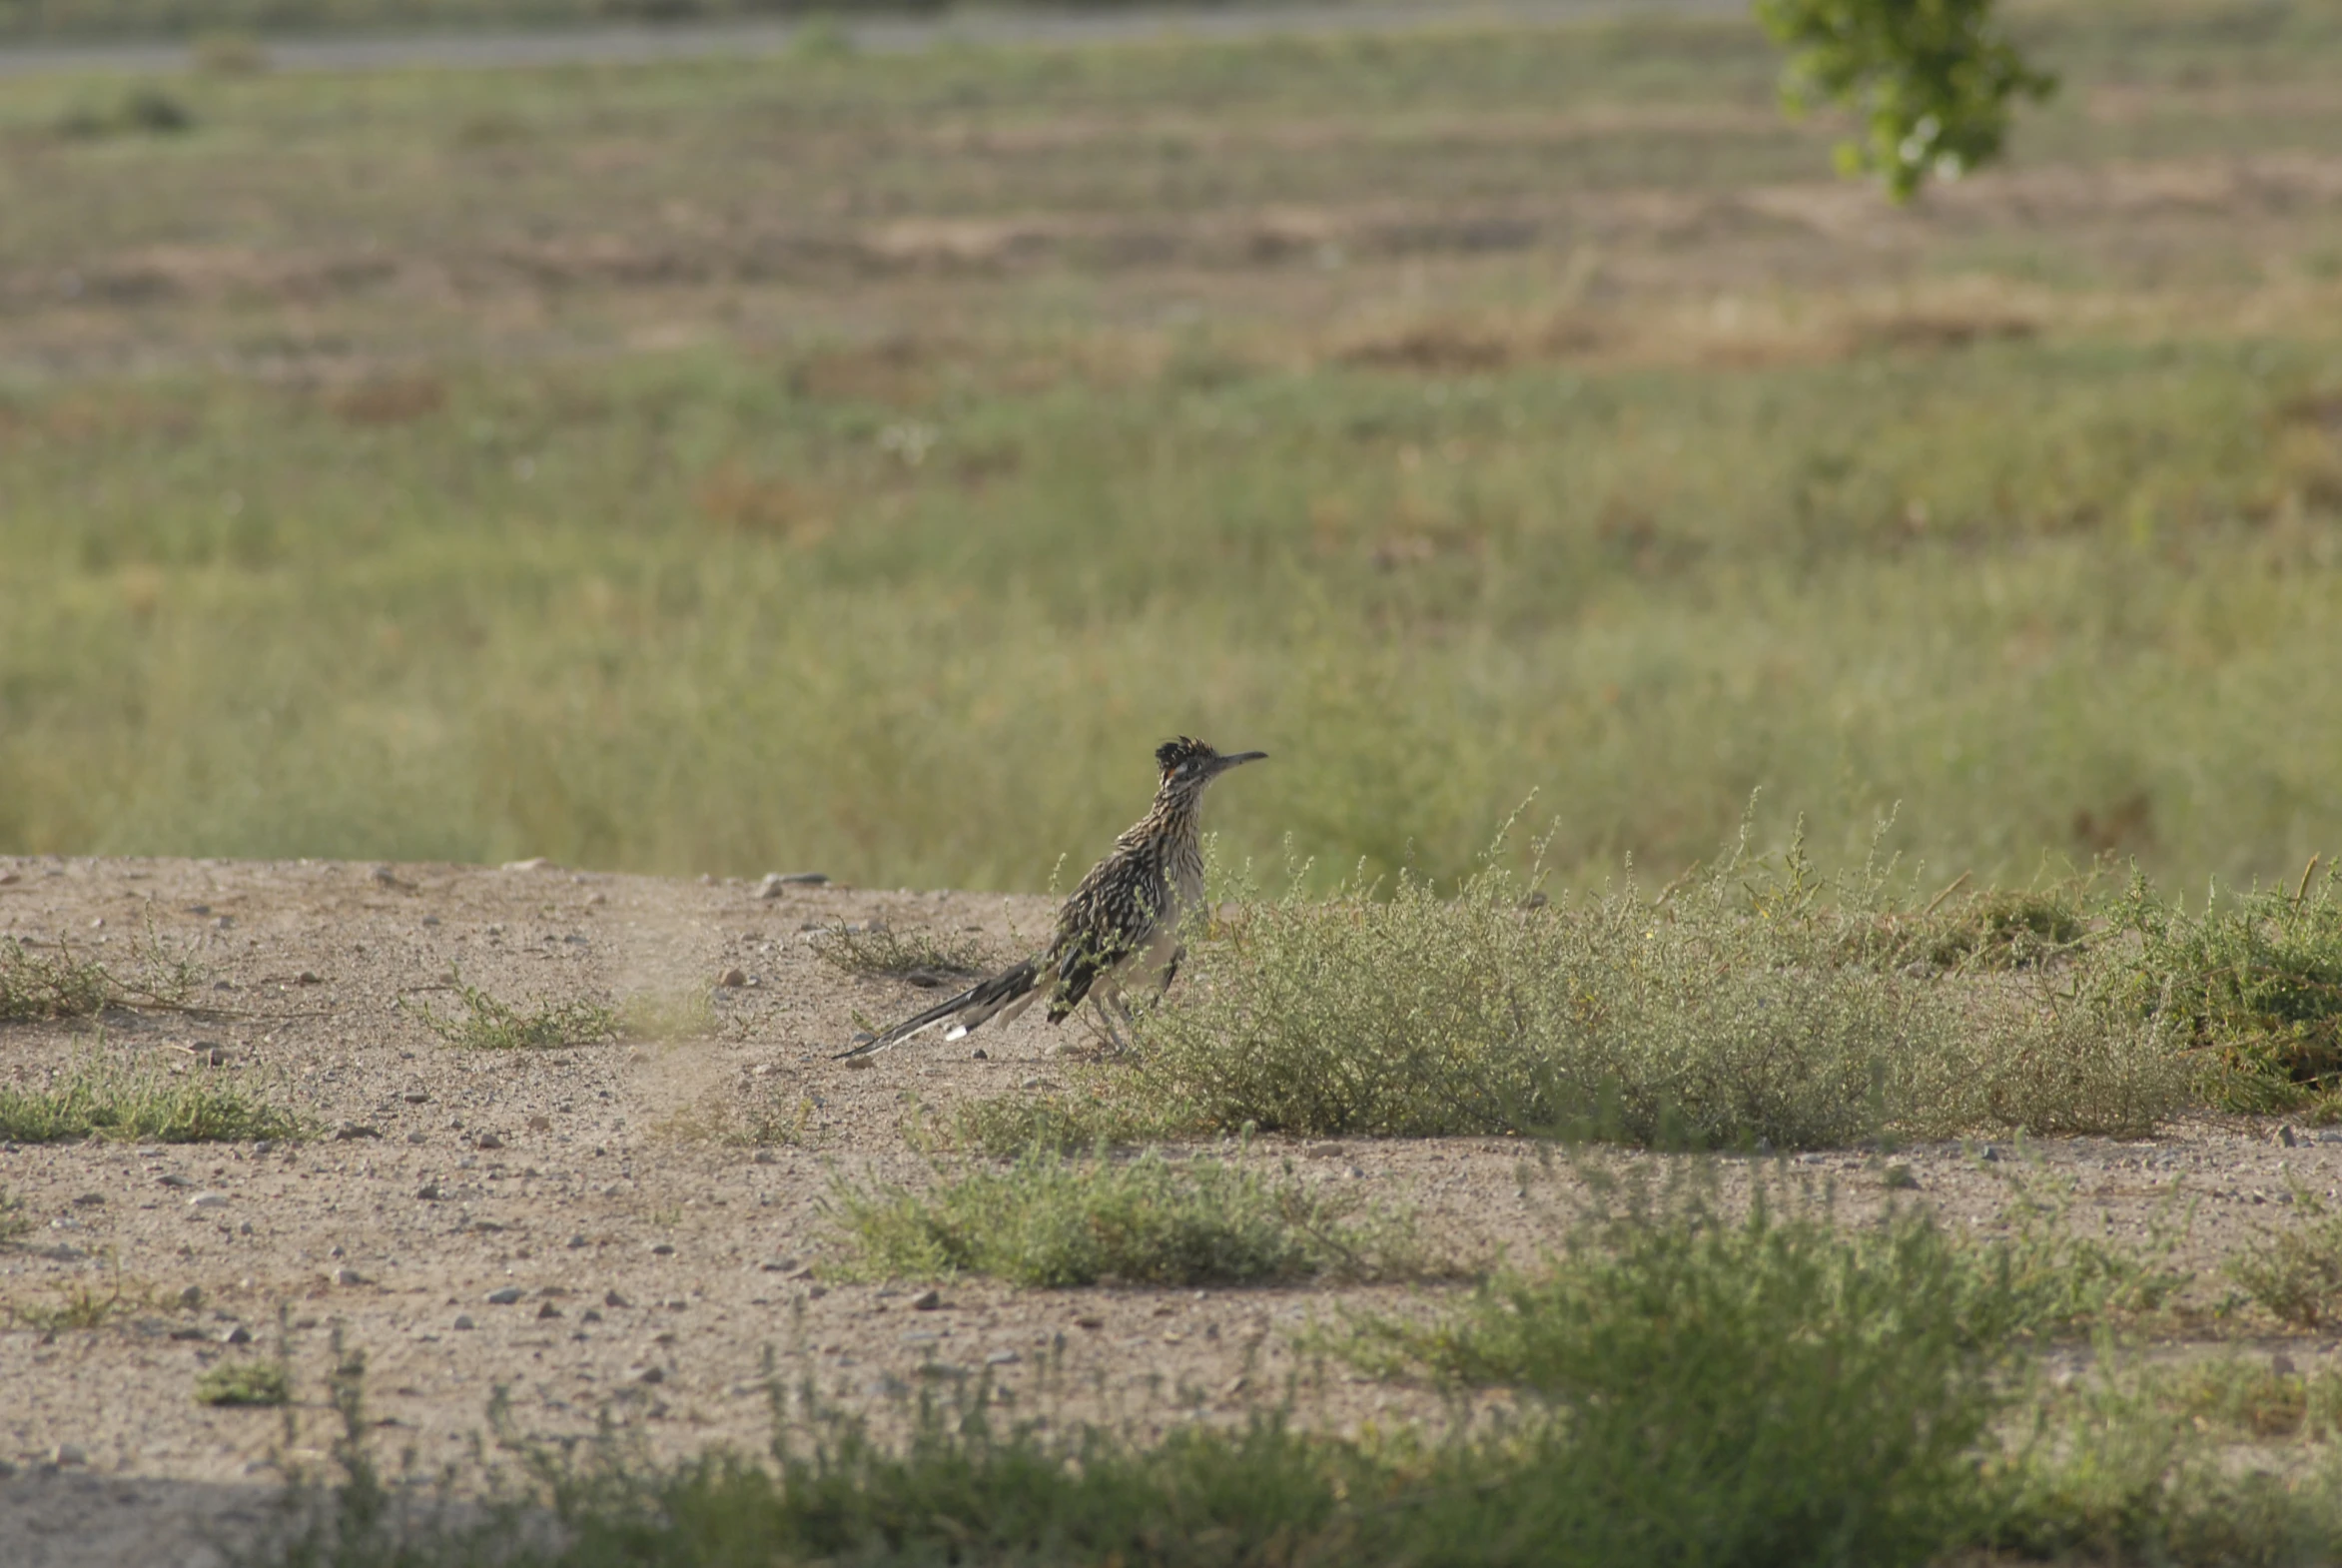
647	1374
662	1249
926	1302
816	1292
978	1055
418	1138
1900	1178
540	1123
1325	1150
803	879
488	1141
68	1454
463	1321
172	1178
1002	1358
1992	1156
235	1334
2288	1137
505	1297
384	875
532	863
348	1276
191	1298
344	1132
90	1201
1089	1320
417	1096
308	977
546	1310
733	978
765	1157
262	1147
590	1316
613	1298
428	1192
208	1201
577	1241
772	886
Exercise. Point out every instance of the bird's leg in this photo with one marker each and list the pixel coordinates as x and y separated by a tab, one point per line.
1113	1035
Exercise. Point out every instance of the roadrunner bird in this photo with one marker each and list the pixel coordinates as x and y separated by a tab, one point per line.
1123	919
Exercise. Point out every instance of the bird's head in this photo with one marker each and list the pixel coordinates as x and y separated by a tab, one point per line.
1188	763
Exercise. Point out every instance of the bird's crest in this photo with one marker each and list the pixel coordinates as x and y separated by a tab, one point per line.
1178	753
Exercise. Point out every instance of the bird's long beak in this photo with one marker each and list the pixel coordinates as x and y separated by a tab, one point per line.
1228	762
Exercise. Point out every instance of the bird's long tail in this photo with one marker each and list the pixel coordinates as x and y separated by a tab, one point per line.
964	1012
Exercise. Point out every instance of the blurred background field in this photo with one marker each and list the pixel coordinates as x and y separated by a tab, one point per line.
859	464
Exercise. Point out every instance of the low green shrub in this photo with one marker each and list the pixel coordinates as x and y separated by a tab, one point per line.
1050	1222
2294	1274
106	1095
1756	1006
245	1383
488	1023
2253	984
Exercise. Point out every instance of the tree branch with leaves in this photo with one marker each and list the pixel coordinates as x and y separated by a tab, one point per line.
1934	82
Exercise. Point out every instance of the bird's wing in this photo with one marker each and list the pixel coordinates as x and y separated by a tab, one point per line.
1111	914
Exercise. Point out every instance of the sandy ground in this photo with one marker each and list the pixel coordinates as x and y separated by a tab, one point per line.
647	1267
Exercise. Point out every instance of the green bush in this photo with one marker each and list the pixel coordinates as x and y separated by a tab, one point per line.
2253	983
1755	1006
106	1095
1050	1222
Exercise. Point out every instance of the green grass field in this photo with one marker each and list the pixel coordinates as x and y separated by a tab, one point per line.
860	463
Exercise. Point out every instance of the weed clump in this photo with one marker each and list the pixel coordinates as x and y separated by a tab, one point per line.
490	1023
246	1383
80	1307
1052	1223
919	956
37	987
106	1095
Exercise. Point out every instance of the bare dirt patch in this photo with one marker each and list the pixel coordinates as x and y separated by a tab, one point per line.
573	1225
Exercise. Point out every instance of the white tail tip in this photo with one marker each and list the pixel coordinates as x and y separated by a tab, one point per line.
956	1031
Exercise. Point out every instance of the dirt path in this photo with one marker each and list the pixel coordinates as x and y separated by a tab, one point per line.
648	1269
888	35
